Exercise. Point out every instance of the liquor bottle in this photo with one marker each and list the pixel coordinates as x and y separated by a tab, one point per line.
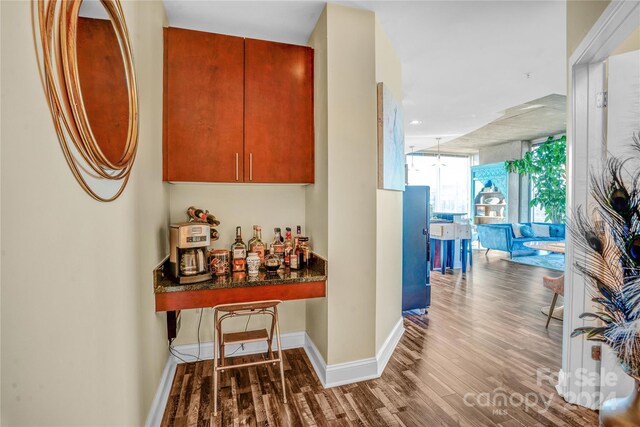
253	239
258	246
239	251
304	249
272	262
294	258
298	235
278	246
288	247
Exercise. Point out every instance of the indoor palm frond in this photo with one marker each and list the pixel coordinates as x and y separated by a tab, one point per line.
608	245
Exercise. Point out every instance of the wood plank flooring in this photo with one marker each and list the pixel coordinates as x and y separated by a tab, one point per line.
480	357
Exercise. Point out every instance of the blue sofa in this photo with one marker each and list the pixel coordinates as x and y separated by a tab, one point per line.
500	237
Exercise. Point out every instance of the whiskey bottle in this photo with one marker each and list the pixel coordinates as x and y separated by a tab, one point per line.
305	249
278	246
253	239
239	251
258	246
288	247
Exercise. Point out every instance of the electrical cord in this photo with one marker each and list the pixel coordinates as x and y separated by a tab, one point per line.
199	323
241	346
173	351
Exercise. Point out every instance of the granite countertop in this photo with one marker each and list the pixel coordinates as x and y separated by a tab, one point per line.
316	272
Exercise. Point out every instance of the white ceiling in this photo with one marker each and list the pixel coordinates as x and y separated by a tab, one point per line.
464	62
281	21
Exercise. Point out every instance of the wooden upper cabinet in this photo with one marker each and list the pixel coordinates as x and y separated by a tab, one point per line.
203	106
278	117
236	110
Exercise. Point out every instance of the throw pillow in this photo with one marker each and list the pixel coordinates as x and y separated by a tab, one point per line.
540	230
527	231
516	231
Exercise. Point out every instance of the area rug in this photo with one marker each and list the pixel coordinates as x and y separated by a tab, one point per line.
550	261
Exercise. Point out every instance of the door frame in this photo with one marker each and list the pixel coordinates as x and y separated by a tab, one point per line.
579	378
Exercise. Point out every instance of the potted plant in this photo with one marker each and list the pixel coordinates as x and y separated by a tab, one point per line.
608	242
545	166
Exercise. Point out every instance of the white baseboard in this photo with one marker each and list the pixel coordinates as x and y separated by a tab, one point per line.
358	370
154	418
329	375
316	359
386	350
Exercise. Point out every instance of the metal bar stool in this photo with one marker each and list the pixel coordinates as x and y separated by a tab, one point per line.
269	308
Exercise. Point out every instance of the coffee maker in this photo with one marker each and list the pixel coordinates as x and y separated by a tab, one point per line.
188	256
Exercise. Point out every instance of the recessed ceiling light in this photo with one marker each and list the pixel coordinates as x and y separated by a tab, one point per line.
415	122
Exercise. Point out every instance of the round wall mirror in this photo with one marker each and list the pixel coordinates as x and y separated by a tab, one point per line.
89	81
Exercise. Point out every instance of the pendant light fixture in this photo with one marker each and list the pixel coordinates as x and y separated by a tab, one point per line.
438	163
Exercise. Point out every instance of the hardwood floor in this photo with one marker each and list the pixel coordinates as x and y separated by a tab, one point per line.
480	357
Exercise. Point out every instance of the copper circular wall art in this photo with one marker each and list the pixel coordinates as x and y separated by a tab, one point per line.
91	163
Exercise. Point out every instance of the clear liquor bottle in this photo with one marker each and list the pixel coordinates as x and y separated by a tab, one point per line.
239	251
278	246
288	247
253	239
258	245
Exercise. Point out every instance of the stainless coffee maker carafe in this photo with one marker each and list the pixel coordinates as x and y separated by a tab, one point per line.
188	256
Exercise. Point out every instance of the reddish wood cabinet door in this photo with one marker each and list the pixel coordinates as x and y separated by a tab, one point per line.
203	106
278	116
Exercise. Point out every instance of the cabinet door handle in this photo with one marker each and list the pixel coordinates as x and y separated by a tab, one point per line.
250	166
236	166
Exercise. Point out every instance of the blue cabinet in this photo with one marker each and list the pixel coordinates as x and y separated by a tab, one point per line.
416	290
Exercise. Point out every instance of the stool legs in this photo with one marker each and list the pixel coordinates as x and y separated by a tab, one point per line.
216	338
284	391
553	305
260	335
270	341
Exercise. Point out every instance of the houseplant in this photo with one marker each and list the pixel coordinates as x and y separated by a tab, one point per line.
546	168
608	244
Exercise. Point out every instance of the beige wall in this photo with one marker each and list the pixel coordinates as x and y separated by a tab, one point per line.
245	205
316	197
81	344
389	210
363	225
581	15
352	169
